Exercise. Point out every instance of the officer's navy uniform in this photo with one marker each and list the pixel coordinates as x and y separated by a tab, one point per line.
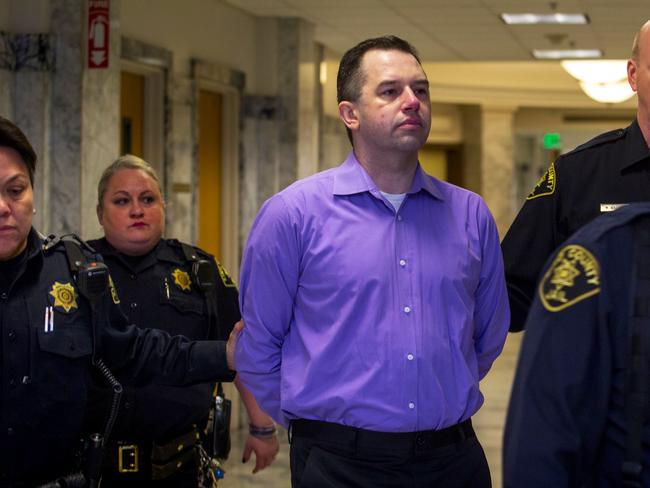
158	290
566	424
609	170
47	346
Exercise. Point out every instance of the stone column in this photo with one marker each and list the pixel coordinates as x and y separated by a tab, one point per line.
498	183
298	90
488	159
84	119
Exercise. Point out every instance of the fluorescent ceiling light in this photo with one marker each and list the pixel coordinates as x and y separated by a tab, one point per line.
557	18
608	92
566	53
597	71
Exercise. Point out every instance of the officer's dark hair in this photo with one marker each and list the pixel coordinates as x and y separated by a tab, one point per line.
127	161
350	77
11	136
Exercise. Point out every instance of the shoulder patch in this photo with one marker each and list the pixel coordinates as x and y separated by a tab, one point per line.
573	276
63	297
225	277
546	184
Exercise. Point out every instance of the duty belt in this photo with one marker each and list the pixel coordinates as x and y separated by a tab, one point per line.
163	459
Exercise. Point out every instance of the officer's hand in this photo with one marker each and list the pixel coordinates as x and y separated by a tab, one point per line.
232	342
265	451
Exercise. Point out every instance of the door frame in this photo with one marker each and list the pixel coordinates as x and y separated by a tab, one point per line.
229	84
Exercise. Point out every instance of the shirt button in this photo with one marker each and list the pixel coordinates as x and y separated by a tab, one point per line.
410	357
411	405
407	309
12	335
133	277
10	431
402	262
399	218
134	305
3	295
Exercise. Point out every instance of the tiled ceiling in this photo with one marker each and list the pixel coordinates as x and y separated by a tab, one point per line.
463	30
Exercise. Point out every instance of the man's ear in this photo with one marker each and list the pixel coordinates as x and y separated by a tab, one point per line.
348	114
631	73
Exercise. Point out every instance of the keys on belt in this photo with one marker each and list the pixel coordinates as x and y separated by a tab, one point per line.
127	459
210	470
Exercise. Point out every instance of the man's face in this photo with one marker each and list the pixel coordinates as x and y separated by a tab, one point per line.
16	203
393	111
638	75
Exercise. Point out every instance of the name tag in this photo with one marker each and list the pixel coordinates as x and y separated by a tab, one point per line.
610	207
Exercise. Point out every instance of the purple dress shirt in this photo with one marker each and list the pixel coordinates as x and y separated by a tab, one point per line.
363	316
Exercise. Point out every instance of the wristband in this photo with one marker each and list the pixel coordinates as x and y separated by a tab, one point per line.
265	432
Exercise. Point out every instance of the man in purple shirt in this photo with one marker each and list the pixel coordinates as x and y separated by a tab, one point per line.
374	298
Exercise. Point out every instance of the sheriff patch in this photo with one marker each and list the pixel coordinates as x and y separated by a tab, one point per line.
182	279
111	286
545	185
64	297
573	276
225	277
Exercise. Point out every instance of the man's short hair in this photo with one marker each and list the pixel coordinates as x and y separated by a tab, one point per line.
350	77
11	136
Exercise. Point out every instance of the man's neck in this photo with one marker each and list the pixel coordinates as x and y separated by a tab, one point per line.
392	173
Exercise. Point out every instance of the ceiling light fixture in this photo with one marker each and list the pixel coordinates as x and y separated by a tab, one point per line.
602	80
567	53
616	92
556	18
597	71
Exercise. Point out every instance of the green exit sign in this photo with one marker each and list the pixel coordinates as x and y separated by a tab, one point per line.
552	141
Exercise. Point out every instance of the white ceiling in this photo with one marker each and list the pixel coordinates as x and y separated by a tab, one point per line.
463	30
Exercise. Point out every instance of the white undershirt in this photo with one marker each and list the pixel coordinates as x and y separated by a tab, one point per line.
395	199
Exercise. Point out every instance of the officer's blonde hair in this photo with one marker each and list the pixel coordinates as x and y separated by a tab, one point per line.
127	161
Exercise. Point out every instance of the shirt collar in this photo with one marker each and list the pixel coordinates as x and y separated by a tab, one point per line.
351	178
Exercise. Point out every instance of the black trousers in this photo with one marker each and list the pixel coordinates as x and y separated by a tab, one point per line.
325	455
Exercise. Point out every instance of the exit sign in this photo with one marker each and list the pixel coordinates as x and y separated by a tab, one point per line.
552	141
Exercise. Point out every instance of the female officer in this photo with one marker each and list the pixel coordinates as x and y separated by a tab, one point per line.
159	288
50	336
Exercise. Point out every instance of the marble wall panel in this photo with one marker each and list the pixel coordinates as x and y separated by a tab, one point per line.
260	157
181	176
65	119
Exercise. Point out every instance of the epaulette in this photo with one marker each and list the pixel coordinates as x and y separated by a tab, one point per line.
611	220
606	137
53	241
197	250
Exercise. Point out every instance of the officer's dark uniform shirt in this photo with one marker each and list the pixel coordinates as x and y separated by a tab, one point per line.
566	423
157	290
609	170
46	337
